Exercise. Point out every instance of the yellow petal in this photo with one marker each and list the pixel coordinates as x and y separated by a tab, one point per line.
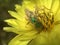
11	29
57	16
19	26
16	41
28	5
22	39
48	38
55	5
14	14
12	22
46	3
20	10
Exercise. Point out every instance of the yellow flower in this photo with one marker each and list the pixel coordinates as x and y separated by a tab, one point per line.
35	21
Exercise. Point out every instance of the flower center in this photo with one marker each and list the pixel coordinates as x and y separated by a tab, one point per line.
41	18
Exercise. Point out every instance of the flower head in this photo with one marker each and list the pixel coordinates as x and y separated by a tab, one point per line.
33	19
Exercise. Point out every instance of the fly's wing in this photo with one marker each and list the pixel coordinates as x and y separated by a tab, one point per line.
29	13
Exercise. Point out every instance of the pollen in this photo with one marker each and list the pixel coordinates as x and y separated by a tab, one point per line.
42	18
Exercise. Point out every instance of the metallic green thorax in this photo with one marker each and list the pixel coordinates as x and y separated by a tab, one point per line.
36	22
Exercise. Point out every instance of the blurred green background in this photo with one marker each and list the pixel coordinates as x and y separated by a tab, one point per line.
6	5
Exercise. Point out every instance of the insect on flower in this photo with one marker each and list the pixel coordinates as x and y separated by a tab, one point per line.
41	18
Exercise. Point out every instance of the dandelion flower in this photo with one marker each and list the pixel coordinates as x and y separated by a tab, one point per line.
35	21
